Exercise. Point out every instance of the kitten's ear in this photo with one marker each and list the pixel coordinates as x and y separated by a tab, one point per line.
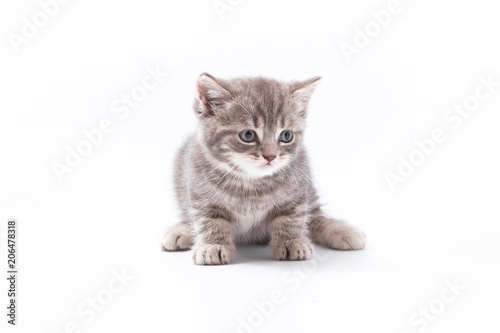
211	95
302	92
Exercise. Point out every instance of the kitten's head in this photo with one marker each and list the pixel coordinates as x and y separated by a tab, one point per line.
252	126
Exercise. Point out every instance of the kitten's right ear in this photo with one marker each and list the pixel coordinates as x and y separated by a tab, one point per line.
211	97
302	92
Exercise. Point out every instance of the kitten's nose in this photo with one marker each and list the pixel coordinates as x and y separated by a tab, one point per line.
269	158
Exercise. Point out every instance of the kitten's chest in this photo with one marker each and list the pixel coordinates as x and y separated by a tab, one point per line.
250	225
249	215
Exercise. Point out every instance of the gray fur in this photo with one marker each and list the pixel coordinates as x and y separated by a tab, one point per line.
229	194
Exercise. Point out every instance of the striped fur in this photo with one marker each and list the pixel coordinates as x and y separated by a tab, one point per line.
229	194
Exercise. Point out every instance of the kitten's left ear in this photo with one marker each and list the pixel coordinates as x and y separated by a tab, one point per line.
302	92
211	95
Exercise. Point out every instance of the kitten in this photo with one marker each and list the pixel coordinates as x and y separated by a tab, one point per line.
245	177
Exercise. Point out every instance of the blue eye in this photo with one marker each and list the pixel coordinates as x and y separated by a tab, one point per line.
286	136
248	136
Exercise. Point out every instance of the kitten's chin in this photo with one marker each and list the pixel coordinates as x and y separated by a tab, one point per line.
255	169
261	171
258	174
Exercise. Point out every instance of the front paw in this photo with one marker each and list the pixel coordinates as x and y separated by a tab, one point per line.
212	254
348	237
292	249
177	238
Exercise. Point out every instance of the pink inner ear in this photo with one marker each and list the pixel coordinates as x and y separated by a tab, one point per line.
302	92
212	95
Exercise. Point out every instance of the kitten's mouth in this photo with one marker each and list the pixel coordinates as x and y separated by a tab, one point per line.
266	165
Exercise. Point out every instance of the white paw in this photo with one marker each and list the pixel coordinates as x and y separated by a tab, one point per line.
293	249
177	238
212	254
348	237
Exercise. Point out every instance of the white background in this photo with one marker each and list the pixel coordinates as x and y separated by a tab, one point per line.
108	214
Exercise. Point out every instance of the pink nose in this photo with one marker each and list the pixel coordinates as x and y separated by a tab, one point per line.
269	158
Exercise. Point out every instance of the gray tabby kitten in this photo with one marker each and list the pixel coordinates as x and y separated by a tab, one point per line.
245	177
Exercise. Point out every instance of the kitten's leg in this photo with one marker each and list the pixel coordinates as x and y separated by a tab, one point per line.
178	237
214	244
336	234
289	239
